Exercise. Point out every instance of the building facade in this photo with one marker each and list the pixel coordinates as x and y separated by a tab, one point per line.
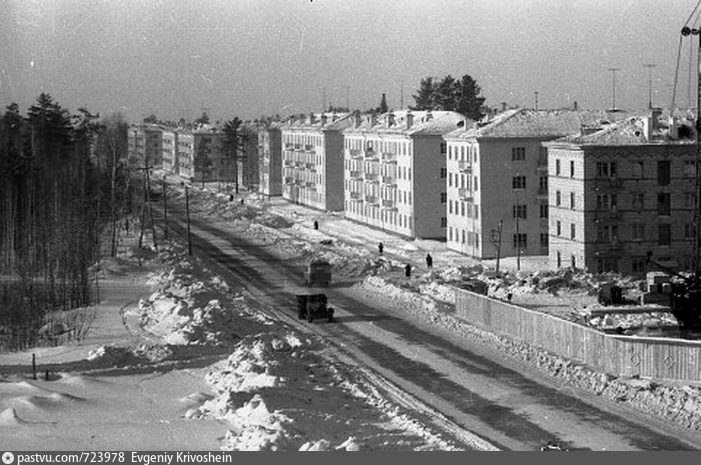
247	158
186	154
169	150
497	181
620	192
145	143
312	160
395	171
270	161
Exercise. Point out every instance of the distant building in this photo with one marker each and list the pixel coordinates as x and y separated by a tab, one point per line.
169	151
202	156
498	172
312	158
395	174
622	191
145	140
270	160
247	158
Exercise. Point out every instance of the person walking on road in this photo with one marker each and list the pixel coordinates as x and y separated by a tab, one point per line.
407	270
429	260
380	248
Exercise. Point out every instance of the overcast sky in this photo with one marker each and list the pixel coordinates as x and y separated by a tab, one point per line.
249	58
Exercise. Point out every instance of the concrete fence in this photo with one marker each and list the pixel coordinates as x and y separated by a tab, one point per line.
657	358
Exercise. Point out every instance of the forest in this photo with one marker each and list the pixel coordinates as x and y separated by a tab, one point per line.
65	180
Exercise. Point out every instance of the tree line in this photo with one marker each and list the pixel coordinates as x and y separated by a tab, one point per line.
63	179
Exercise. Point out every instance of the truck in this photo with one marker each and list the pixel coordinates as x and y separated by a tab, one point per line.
312	306
317	274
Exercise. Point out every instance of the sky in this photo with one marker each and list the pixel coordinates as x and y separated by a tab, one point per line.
250	58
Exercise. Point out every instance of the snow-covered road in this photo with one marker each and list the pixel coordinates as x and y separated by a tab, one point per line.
397	339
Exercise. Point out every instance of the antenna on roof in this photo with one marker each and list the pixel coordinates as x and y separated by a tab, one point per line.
348	98
536	101
401	95
323	100
613	71
649	67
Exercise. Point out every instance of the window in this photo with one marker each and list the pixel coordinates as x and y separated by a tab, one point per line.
638	231
689	199
572	200
607	233
559	259
572	168
688	230
543	239
606	201
639	264
520	241
443	147
606	169
558	198
450	207
638	169
518	153
638	200
663	173
606	264
664	234
444	197
444	172
450	180
663	203
689	168
543	210
573	231
519	211
444	222
557	167
558	228
543	184
518	182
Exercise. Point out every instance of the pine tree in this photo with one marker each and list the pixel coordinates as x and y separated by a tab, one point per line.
424	96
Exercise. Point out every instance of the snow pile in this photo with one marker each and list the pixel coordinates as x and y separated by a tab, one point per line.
281	391
129	356
191	306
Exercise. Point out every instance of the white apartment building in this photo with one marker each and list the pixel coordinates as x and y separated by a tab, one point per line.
312	160
169	152
497	181
395	173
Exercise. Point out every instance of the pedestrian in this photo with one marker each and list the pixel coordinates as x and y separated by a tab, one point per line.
231	198
407	270
316	225
242	201
509	296
380	247
429	260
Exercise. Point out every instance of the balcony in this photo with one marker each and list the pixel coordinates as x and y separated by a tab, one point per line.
355	196
465	195
371	177
310	166
356	174
371	198
465	167
389	180
614	247
289	180
607	215
354	153
388	157
310	185
370	154
389	204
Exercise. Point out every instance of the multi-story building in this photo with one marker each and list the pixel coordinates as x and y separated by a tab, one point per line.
312	158
247	158
169	151
270	160
497	181
622	191
395	171
186	154
145	142
203	157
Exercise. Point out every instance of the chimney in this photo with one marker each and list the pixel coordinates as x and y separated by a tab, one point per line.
310	120
324	118
648	126
656	114
503	106
356	120
372	119
429	115
389	119
673	127
409	119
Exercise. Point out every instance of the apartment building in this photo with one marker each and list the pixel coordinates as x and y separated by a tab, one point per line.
202	155
145	140
622	191
247	158
497	180
270	160
395	173
312	160
169	150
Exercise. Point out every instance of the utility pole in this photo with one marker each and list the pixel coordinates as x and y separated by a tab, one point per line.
613	71
348	98
323	100
165	209
518	247
649	67
401	96
187	212
501	223
536	101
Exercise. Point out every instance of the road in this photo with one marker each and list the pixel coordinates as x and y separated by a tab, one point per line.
472	388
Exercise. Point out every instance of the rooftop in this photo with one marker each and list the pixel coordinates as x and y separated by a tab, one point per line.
328	121
409	122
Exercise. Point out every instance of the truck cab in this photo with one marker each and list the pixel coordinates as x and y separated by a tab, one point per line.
318	273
